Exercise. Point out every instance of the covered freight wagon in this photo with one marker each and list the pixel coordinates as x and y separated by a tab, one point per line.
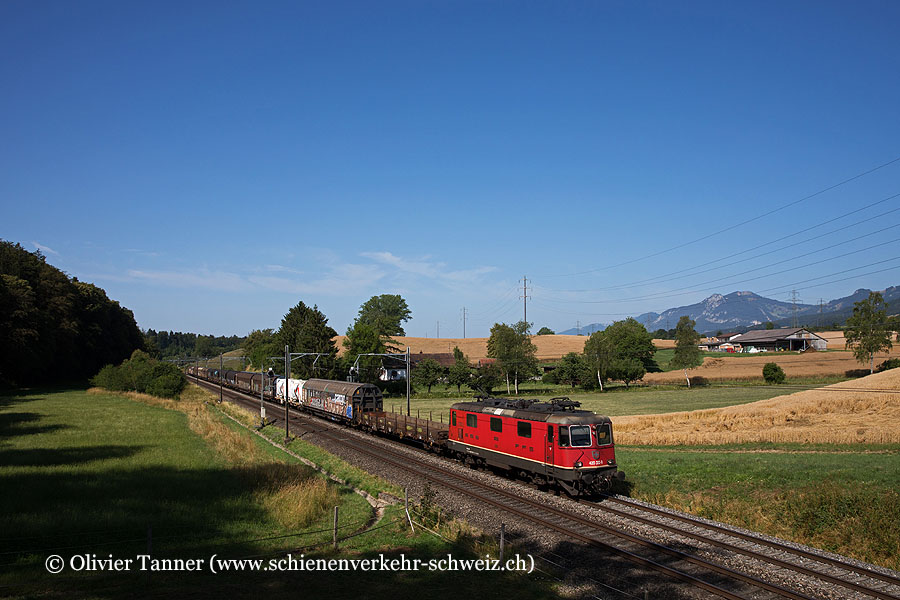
344	400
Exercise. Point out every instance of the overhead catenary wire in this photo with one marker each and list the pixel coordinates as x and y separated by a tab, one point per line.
721	281
731	227
681	273
799	285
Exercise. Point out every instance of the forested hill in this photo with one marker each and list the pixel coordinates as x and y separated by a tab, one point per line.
176	344
54	327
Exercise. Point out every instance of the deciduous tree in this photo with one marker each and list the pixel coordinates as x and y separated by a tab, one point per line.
260	345
573	369
364	339
687	352
485	379
460	373
427	373
622	351
868	330
511	345
385	313
599	353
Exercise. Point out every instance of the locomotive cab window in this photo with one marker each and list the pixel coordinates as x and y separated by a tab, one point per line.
523	428
453	418
604	434
549	434
496	424
563	437
471	420
580	436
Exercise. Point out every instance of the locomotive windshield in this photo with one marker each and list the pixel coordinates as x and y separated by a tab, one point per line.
580	435
604	434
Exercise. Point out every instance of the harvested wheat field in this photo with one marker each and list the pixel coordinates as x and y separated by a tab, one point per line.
549	347
862	411
749	367
835	339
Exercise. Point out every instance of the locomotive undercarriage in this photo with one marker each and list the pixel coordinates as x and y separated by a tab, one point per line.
573	482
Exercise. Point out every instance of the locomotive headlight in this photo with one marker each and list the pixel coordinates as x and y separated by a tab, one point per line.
578	464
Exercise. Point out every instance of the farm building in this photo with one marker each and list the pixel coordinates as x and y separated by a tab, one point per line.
771	340
445	359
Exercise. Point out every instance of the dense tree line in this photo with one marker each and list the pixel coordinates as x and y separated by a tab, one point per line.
54	327
176	344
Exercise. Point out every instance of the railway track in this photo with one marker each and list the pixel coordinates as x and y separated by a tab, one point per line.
813	575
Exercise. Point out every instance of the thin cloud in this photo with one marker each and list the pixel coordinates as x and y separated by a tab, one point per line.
340	279
45	249
143	252
436	271
283	269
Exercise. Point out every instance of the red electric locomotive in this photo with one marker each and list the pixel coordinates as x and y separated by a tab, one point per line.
543	442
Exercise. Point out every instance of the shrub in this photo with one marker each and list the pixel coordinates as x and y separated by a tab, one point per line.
141	373
891	363
110	378
772	373
699	381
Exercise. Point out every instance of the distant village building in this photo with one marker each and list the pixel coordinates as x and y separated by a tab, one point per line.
720	343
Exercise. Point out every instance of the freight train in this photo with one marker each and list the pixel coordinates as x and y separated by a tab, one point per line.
551	444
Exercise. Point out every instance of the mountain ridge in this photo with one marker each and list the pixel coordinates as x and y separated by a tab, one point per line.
742	310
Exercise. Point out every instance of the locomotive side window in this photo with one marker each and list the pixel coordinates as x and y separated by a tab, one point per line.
496	424
549	434
471	420
563	437
604	434
523	428
581	435
453	418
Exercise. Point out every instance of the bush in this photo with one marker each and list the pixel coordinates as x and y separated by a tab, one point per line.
891	363
111	378
772	373
141	373
699	381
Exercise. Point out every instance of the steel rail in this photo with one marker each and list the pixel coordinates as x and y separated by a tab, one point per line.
403	463
866	572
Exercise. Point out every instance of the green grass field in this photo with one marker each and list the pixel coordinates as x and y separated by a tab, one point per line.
620	401
89	473
833	497
839	498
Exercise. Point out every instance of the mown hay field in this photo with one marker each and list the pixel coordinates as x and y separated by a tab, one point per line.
748	367
549	347
860	411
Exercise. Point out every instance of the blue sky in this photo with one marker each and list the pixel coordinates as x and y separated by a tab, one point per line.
210	164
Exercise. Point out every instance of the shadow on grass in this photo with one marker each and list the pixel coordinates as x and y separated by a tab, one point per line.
24	391
23	423
41	457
